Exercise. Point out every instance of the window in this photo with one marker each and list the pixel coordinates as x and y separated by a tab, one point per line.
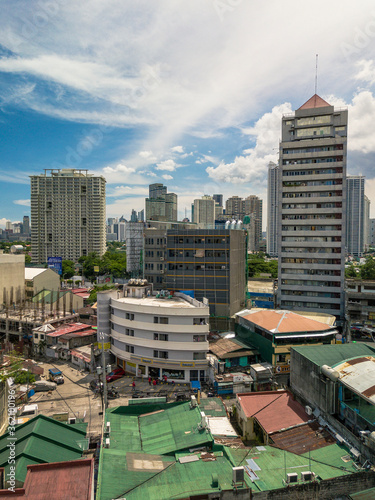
160	336
130	332
199	321
162	320
161	354
129	316
199	338
129	348
199	355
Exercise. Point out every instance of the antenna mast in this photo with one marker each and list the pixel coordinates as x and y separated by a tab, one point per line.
316	73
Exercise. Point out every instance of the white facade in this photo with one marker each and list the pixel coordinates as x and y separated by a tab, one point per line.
272	208
204	212
153	336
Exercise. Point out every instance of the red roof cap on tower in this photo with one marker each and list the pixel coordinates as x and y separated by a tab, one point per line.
314	102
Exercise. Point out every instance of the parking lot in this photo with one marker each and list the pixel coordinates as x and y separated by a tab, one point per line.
76	398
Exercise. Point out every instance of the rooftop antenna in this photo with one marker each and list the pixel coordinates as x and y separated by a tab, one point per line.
316	75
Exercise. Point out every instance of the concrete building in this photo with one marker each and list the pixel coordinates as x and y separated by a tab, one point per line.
67	214
211	263
218	199
366	227
155	335
253	206
357	213
161	205
360	301
134	248
37	279
234	207
273	333
12	279
312	208
204	212
273	208
372	232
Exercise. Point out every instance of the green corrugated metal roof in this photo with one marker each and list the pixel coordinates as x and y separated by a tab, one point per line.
48	296
213	407
363	495
334	353
42	440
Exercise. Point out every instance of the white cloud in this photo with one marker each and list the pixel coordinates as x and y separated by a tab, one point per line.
167	177
25	203
253	167
127	190
148	155
169	165
177	149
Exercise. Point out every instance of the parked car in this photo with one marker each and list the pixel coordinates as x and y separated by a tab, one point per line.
44	385
56	375
115	374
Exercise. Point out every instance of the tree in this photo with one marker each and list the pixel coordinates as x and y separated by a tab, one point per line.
351	272
67	269
368	269
257	265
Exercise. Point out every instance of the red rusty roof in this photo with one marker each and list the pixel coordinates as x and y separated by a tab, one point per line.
70	328
280	321
274	410
314	102
70	480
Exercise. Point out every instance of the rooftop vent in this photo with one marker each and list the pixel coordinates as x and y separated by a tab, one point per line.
292	477
307	476
238	474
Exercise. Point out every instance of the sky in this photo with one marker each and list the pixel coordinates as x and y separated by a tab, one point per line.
190	94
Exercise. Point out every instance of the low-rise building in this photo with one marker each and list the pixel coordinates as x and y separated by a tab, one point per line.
12	279
360	301
38	279
162	335
275	332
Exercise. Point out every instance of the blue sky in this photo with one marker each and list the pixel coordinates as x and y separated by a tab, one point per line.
190	94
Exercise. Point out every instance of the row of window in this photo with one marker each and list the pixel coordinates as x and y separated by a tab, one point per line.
336	204
321	239
198	241
312	228
316	272
311	250
328	295
288	260
326	171
307	161
198	267
309	305
335	182
200	253
156	354
311	216
335	284
318	194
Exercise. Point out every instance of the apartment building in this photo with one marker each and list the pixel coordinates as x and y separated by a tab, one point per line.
312	208
67	214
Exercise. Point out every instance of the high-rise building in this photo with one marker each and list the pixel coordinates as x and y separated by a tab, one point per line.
366	227
253	206
67	214
356	215
312	208
26	224
272	208
234	207
218	198
161	205
204	212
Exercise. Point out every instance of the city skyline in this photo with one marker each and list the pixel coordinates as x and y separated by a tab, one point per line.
199	113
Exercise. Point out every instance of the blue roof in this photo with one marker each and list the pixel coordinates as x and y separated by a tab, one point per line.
195	384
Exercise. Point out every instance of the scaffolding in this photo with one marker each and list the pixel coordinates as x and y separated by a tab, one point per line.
134	248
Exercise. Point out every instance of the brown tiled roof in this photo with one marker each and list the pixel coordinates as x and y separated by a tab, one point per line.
314	102
224	346
280	321
274	410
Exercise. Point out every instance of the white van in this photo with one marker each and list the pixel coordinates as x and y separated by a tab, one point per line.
26	413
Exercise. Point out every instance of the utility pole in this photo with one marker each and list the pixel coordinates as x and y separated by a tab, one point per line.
104	371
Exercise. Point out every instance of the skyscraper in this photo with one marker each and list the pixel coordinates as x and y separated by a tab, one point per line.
356	215
253	206
312	208
67	214
234	207
218	198
272	208
204	212
161	205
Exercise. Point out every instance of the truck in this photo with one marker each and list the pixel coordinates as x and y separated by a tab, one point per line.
55	375
26	412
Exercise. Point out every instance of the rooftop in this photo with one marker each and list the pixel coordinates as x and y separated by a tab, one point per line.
315	102
274	410
230	348
359	375
152	301
281	321
70	328
333	354
42	440
32	272
71	480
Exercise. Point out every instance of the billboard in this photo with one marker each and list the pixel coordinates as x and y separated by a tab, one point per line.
55	263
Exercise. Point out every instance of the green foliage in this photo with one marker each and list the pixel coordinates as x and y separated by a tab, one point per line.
257	265
24	377
112	262
368	269
27	258
67	269
14	368
350	272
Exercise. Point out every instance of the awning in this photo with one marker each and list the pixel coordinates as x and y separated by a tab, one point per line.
310	335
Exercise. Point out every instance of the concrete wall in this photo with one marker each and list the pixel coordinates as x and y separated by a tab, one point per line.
48	280
12	278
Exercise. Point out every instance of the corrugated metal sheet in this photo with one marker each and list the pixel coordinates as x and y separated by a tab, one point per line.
358	374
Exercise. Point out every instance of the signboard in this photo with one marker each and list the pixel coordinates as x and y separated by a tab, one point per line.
96	269
61	417
55	263
107	346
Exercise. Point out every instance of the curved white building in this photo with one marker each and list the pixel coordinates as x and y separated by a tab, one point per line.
158	335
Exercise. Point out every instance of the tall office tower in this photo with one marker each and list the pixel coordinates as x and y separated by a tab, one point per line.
161	205
67	214
204	212
210	262
26	224
372	232
141	215
366	226
355	215
218	198
157	190
134	248
312	208
252	205
133	216
272	208
234	207
218	210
